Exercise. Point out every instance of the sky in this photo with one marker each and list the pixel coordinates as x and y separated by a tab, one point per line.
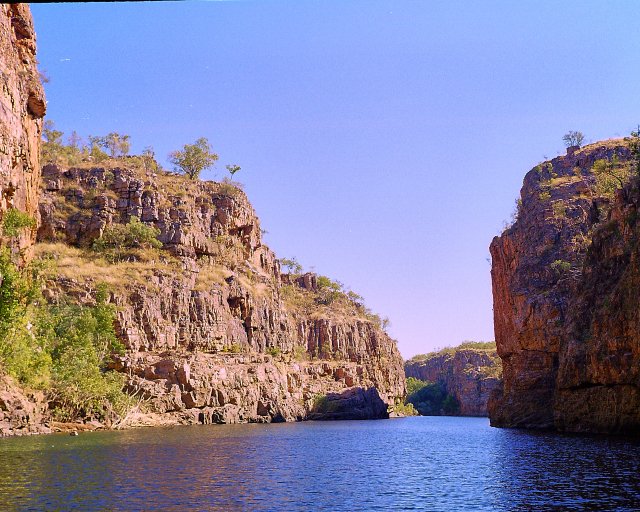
382	143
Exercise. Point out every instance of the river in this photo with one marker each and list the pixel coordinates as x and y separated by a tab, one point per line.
421	463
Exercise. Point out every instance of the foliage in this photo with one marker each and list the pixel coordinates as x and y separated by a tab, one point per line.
431	398
14	220
404	410
117	145
610	175
274	351
573	138
117	239
193	158
291	265
545	195
63	349
414	385
633	142
233	169
466	345
559	209
560	266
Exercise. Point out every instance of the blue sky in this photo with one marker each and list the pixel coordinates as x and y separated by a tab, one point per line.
382	143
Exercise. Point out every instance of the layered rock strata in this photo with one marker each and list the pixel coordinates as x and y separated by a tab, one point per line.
469	375
565	304
213	331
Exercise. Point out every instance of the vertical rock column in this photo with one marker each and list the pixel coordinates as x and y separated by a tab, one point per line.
22	108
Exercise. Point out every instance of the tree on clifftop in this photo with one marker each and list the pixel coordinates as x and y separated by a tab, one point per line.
194	158
572	138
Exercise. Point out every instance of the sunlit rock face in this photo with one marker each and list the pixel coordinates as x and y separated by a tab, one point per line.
22	108
214	332
565	313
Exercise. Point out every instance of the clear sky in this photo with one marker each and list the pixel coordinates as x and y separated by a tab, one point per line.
382	143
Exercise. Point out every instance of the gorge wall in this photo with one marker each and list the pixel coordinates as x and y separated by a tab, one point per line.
566	308
469	375
213	331
22	108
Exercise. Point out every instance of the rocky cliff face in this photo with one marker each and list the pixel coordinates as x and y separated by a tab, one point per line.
22	107
469	375
213	331
564	310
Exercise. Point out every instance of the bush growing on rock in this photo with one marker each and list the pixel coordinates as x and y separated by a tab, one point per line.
14	220
117	239
63	349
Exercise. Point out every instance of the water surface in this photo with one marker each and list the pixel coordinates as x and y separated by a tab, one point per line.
423	463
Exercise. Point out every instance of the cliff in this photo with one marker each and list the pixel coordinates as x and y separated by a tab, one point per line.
469	375
22	107
565	310
213	331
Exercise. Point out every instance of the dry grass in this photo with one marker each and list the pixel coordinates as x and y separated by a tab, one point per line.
210	275
87	266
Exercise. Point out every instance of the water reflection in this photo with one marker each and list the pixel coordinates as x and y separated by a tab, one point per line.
408	464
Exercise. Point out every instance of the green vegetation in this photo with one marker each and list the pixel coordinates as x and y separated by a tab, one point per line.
63	349
232	168
430	399
545	195
610	175
193	158
96	149
488	346
118	239
404	410
560	267
573	138
274	351
291	266
14	220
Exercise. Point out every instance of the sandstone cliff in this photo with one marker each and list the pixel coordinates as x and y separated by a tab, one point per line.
470	375
22	107
565	302
213	331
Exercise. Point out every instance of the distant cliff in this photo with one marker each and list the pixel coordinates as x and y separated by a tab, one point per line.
468	373
566	309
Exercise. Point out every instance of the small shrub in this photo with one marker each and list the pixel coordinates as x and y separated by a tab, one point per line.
544	195
117	239
560	266
274	351
14	220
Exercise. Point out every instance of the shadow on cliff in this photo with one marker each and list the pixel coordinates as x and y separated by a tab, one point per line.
352	404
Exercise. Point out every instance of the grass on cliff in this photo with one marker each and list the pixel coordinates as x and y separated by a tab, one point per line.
331	301
86	266
484	346
62	349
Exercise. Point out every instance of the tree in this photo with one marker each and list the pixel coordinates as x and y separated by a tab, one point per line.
75	141
193	158
233	169
572	138
116	144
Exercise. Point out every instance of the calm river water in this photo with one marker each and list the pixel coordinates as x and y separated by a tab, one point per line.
424	463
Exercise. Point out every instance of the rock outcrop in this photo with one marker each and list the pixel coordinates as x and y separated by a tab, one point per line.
213	331
469	375
22	108
566	308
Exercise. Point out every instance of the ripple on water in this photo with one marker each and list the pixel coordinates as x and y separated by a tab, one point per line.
425	463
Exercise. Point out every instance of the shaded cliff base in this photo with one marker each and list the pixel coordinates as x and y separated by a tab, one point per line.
454	381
